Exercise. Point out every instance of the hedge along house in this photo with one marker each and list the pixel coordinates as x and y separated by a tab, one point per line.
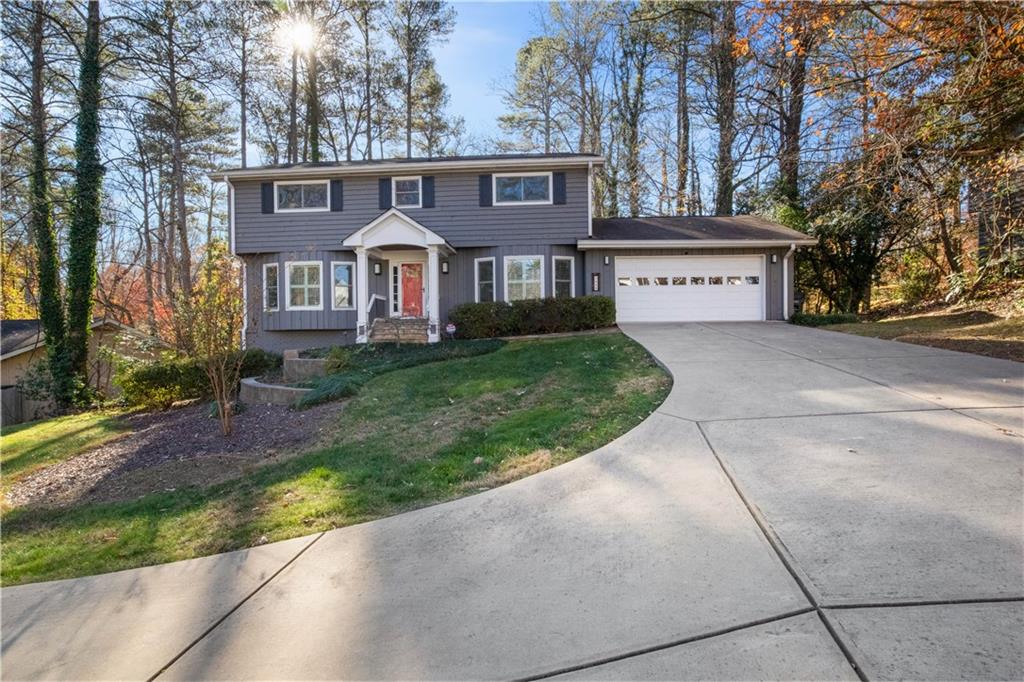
347	252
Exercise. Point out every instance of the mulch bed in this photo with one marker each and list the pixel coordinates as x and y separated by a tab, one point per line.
177	447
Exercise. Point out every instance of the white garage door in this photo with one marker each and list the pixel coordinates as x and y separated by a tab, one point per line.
689	288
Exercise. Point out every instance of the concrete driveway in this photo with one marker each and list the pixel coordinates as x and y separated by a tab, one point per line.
804	505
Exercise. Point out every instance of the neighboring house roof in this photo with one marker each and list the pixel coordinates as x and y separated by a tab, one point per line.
17	336
690	231
22	336
472	162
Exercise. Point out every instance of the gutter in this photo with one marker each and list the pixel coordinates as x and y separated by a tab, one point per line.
785	281
591	244
407	167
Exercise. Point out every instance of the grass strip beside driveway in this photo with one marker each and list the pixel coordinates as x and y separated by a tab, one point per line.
410	438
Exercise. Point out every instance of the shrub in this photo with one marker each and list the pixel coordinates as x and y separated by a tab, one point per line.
918	280
534	316
157	384
812	320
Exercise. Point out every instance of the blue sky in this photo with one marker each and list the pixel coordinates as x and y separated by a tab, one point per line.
481	51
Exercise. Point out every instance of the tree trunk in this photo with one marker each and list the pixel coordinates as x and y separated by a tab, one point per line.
177	161
408	108
368	82
293	135
313	107
682	113
725	108
243	96
51	304
85	223
792	113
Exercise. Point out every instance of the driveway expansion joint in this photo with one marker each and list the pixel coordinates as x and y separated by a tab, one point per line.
237	606
778	546
665	645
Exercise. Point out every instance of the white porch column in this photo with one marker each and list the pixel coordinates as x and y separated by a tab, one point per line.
362	295
433	296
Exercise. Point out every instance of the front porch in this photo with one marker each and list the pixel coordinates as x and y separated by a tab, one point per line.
411	253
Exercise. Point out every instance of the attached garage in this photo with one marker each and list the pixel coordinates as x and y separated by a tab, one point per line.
689	288
693	268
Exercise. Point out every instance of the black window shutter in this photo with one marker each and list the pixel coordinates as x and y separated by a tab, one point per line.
267	196
337	195
558	188
384	193
485	190
427	188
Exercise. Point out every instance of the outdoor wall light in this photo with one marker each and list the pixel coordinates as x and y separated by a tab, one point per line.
376	268
775	258
607	260
444	267
595	281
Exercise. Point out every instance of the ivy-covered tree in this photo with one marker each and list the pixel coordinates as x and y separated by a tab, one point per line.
85	223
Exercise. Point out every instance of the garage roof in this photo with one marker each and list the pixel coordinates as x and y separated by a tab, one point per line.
743	228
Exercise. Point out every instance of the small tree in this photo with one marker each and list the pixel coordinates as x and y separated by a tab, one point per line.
210	324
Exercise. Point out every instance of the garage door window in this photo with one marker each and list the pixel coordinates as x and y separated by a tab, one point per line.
625	281
733	280
678	281
753	280
643	281
524	277
714	280
697	281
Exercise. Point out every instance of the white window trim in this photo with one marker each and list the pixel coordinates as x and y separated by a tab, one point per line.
352	284
326	183
572	274
476	277
288	285
266	308
494	189
419	192
524	257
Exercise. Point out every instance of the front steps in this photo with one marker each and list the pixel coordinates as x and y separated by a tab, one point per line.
398	330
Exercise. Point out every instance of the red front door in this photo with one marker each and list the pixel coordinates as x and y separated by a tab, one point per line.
412	289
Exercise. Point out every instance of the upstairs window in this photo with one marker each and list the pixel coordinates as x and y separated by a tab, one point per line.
304	285
522	189
301	196
405	192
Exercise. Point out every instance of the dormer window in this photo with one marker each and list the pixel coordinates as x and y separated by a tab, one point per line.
534	188
405	192
301	196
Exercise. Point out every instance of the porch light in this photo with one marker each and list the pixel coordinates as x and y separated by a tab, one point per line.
607	260
775	258
444	267
376	268
595	281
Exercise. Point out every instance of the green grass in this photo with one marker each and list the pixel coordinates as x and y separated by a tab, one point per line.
971	332
409	438
353	367
25	448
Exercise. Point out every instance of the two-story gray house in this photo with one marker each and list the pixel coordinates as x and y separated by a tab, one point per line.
333	251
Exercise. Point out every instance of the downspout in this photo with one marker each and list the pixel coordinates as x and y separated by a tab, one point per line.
785	281
590	199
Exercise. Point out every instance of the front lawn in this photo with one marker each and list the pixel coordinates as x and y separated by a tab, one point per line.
971	332
409	438
25	448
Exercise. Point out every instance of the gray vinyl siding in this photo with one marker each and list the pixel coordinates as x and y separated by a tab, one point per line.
594	262
282	319
284	329
457	216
